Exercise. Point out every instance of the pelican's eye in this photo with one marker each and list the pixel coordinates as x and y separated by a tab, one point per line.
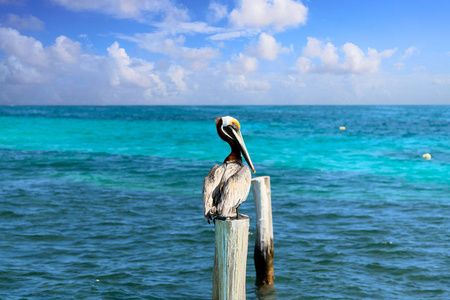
236	124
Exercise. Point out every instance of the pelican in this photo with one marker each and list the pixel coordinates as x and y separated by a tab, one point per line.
228	185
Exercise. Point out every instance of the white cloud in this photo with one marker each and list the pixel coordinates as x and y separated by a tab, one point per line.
409	52
74	77
229	35
303	64
399	66
27	49
3	71
160	89
354	60
141	10
443	81
241	64
188	70
177	74
217	12
126	71
326	53
62	74
260	14
31	52
242	83
27	61
268	48
66	50
174	27
195	58
27	22
16	72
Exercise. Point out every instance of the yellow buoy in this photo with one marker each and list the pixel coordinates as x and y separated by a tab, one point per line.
342	128
426	156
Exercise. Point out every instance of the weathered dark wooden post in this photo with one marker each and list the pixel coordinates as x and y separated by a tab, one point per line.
264	231
230	261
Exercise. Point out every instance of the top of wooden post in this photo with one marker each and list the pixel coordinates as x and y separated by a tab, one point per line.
260	178
233	217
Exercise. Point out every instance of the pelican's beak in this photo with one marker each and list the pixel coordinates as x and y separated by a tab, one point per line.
236	134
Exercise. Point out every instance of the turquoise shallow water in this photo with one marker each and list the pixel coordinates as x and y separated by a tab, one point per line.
105	202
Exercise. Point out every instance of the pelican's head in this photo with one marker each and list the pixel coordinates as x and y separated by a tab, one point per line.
232	128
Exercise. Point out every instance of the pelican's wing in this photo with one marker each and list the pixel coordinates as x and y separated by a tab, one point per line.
209	185
235	191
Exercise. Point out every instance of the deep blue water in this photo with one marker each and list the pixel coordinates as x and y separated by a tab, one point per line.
105	202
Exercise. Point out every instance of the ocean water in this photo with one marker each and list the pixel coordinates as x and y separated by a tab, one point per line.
105	202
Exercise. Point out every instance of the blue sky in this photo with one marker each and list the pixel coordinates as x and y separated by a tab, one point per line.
123	52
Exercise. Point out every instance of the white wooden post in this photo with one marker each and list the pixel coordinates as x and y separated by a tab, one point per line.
264	231
230	261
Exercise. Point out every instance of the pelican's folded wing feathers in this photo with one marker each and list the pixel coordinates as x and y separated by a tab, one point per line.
209	185
235	191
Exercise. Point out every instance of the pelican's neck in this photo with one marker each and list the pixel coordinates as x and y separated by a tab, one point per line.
235	154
